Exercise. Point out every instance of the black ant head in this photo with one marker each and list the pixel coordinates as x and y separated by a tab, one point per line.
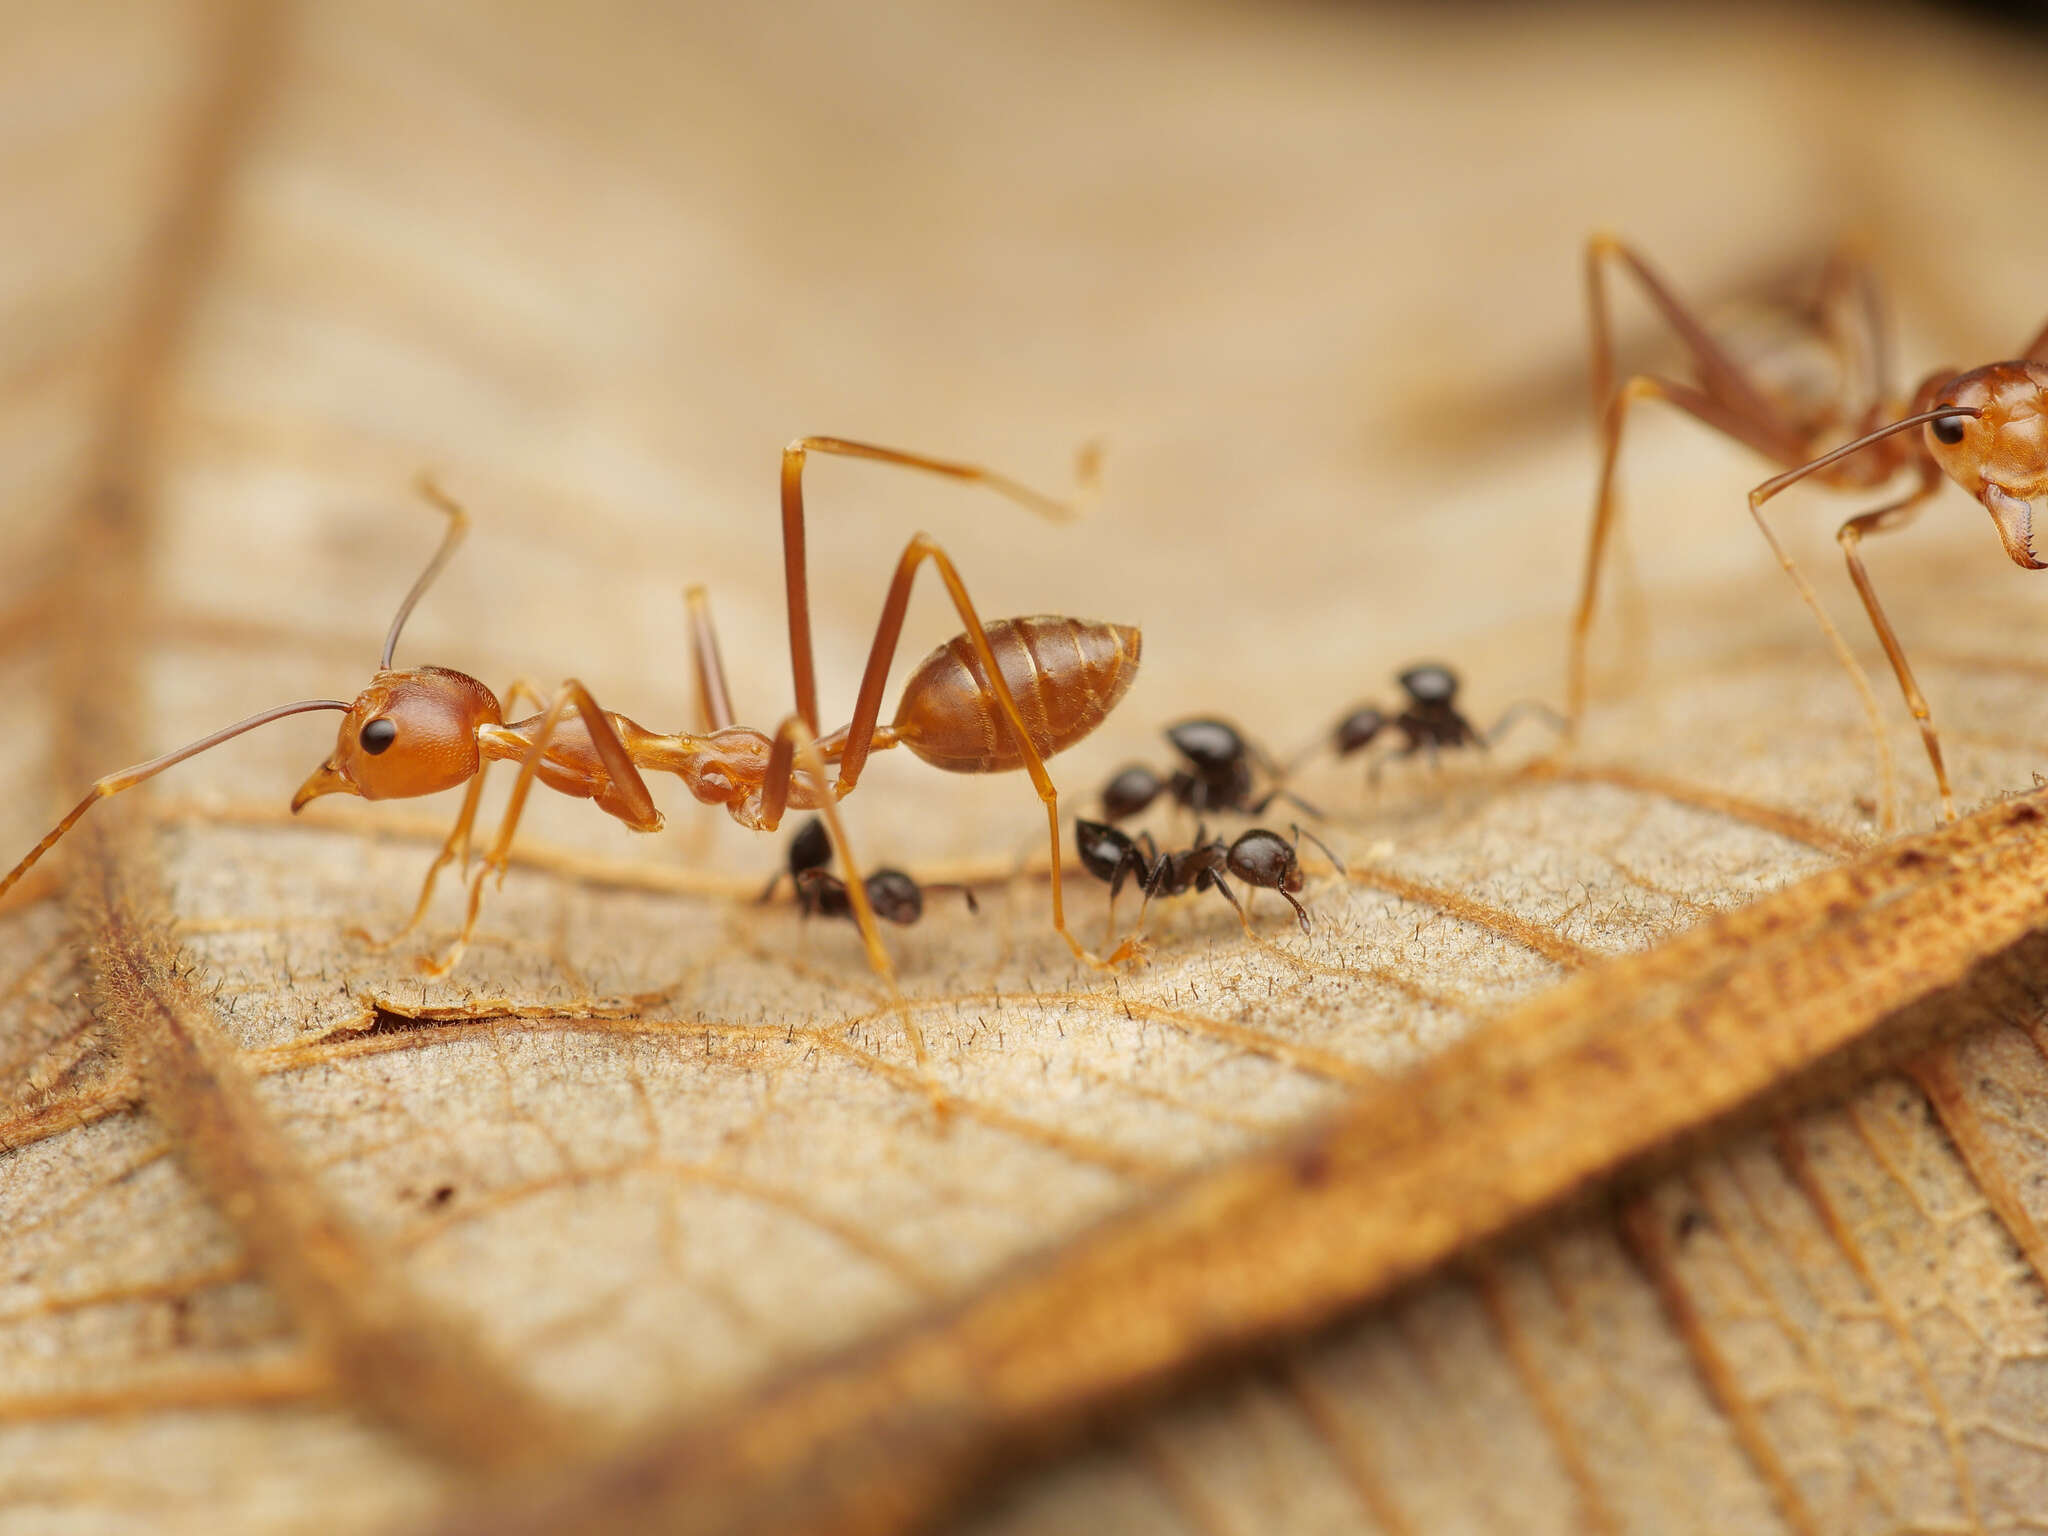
811	848
1102	849
408	733
1130	792
1999	454
895	896
1430	686
1357	730
1267	860
1212	746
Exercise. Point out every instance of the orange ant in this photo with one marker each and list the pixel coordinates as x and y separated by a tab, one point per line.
1985	428
1000	696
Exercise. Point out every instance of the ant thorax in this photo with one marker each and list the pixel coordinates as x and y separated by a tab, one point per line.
728	768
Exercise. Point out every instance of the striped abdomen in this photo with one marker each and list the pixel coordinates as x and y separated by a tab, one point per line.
1065	674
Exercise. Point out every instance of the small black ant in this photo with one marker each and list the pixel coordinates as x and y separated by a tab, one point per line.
820	893
1218	775
1430	721
1260	858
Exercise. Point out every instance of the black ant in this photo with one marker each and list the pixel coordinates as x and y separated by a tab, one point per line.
1260	858
1430	721
893	895
1218	775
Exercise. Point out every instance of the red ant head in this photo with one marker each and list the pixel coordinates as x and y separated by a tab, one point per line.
2001	455
408	733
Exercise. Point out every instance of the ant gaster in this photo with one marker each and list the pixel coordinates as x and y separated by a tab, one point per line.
894	895
1984	428
1217	775
999	696
1259	857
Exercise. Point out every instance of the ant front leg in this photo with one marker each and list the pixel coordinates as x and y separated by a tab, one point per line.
627	786
457	844
1884	520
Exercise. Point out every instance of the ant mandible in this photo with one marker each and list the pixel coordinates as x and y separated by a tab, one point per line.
894	895
1217	775
1000	696
1985	428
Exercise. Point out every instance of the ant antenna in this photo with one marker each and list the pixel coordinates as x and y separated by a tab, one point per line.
458	525
1777	483
128	778
1336	863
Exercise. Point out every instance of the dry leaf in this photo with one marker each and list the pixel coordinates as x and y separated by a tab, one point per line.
296	1239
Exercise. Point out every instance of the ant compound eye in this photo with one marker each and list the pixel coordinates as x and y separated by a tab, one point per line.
378	735
1948	430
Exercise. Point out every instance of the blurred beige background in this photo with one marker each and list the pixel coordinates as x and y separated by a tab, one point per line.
1313	272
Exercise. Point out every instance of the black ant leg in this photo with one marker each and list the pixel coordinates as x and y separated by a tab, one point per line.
1259	807
1212	879
1300	912
1516	712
